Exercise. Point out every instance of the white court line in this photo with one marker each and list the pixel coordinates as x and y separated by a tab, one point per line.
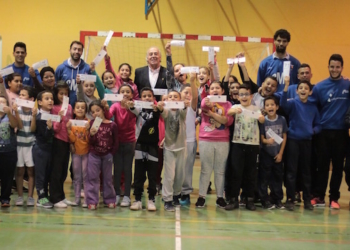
177	229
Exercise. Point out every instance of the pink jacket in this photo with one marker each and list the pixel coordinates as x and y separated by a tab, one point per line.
60	128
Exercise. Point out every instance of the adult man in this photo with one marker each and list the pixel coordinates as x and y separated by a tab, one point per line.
333	99
153	75
304	74
69	69
19	66
273	65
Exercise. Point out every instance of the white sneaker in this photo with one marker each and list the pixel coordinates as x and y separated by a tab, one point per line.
151	206
125	202
117	199
136	205
60	204
67	202
30	202
19	201
84	205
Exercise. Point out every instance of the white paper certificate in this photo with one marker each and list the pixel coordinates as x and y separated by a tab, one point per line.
217	98
206	48
211	54
177	43
114	97
97	123
174	105
251	113
85	77
235	60
143	105
6	71
25	103
65	104
160	91
286	68
108	38
274	136
54	118
41	64
190	69
78	123
99	57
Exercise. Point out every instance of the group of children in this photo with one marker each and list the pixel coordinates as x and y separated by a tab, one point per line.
239	139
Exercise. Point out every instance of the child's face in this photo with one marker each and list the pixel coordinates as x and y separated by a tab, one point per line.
147	96
271	107
109	80
126	91
61	93
177	74
80	109
269	87
174	96
234	87
16	84
49	79
124	72
164	98
23	94
303	91
203	76
97	111
46	102
244	97
215	89
186	94
89	88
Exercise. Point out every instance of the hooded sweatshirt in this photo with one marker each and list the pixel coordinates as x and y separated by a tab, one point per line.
68	73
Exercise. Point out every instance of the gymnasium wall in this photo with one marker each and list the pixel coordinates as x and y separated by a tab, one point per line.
318	27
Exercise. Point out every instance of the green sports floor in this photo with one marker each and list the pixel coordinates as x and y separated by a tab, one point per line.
187	228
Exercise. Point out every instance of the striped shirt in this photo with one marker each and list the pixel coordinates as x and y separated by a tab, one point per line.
25	138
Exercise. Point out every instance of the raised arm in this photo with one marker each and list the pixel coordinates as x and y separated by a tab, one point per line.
170	79
99	85
108	63
194	101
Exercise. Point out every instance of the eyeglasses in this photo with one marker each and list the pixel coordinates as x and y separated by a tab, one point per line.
243	95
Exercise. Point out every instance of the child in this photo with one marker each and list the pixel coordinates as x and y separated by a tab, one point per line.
42	149
125	121
304	122
25	141
189	93
174	150
268	88
146	151
47	75
271	154
14	83
103	144
245	148
79	137
213	144
60	157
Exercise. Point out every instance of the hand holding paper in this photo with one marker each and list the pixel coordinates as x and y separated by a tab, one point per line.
286	68
6	71
217	98
97	123
65	104
108	38
41	64
99	57
274	136
190	69
177	43
85	77
174	105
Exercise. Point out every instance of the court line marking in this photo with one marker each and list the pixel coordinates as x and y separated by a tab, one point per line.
178	243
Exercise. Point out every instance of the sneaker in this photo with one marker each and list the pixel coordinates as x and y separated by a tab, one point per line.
279	205
74	204
334	205
289	205
176	201
297	197
168	206
136	205
200	202
30	202
267	205
125	202
185	200
151	206
232	204
19	201
317	202
242	202
44	202
92	207
308	205
5	203
111	205
84	205
117	199
60	204
67	202
220	202
209	188
250	204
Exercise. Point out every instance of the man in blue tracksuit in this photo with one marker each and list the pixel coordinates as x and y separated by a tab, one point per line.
333	99
69	69
273	65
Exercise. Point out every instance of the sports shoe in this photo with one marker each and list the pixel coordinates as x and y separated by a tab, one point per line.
92	207
220	202
250	204
185	200
297	197
334	205
308	205
60	204
19	201
168	206
242	202
5	203
317	202
136	205
200	202
74	204
151	206
67	202
176	201
30	202
84	205
125	202
267	205
289	205
111	205
279	205
232	204
44	202
117	199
